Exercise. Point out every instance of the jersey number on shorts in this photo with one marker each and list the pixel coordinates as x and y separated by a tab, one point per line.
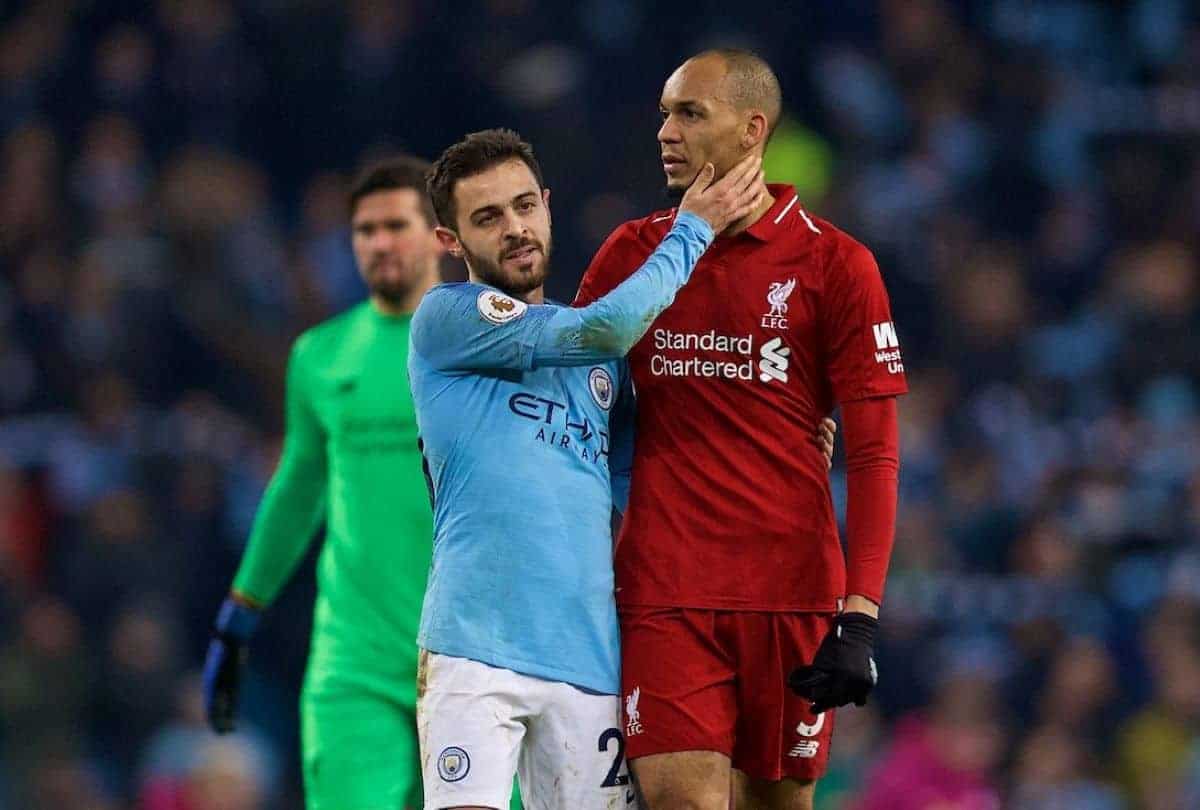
614	779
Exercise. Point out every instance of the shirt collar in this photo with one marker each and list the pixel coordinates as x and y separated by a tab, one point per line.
771	222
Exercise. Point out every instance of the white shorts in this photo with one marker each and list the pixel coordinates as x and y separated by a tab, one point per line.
478	725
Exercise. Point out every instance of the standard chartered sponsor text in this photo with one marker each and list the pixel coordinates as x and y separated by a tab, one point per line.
695	367
710	341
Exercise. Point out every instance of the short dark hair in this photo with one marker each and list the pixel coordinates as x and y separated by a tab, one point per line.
390	174
750	82
475	153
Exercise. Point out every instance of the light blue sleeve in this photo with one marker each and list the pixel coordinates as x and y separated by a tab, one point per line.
450	331
622	425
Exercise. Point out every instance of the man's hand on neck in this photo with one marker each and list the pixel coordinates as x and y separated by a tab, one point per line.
751	218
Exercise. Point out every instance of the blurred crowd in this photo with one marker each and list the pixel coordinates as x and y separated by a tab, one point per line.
172	215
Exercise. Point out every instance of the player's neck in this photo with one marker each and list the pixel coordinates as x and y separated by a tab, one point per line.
754	216
535	296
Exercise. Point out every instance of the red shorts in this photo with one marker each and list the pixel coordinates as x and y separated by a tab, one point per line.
716	680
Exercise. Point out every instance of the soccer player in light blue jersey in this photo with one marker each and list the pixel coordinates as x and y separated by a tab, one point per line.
524	409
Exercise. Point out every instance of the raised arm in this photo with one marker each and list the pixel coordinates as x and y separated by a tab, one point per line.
471	327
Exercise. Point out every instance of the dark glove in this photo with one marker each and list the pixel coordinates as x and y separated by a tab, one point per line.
223	663
843	670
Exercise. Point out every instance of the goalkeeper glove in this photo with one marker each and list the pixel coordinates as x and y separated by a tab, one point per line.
236	622
843	670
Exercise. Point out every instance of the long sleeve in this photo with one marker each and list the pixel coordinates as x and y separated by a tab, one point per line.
871	434
621	427
294	503
470	327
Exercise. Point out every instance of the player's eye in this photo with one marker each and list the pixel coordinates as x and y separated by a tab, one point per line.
526	206
485	220
691	115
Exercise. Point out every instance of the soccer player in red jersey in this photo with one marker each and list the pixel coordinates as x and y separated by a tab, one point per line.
743	624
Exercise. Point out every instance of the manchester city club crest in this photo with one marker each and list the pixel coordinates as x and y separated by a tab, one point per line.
601	386
453	764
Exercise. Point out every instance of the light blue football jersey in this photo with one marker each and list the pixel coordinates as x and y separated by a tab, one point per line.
525	414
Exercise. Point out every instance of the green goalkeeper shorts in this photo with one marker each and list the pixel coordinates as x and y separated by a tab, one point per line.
359	747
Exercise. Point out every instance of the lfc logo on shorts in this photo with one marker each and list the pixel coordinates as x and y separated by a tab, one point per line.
633	719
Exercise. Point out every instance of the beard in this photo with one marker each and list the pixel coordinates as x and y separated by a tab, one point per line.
392	288
516	282
390	294
674	194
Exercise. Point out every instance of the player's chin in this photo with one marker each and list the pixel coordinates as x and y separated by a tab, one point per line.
675	189
392	291
530	279
533	264
524	279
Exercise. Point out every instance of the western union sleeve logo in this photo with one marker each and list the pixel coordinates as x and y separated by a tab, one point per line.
885	336
887	347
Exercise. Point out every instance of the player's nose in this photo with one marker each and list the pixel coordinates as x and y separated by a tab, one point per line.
380	241
668	132
514	226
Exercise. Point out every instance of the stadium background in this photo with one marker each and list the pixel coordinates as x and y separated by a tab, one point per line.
172	215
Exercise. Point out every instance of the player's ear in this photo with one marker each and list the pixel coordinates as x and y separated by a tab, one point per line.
546	201
434	241
754	131
448	239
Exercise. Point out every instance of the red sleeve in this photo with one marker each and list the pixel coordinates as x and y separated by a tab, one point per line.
613	262
862	353
872	475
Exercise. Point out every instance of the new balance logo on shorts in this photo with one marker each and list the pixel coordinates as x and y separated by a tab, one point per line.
807	749
633	719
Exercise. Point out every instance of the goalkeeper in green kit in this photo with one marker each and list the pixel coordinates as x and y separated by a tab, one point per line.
350	460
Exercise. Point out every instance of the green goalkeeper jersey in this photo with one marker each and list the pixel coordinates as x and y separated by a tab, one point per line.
350	458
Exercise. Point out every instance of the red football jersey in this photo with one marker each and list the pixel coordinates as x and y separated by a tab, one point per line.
730	505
